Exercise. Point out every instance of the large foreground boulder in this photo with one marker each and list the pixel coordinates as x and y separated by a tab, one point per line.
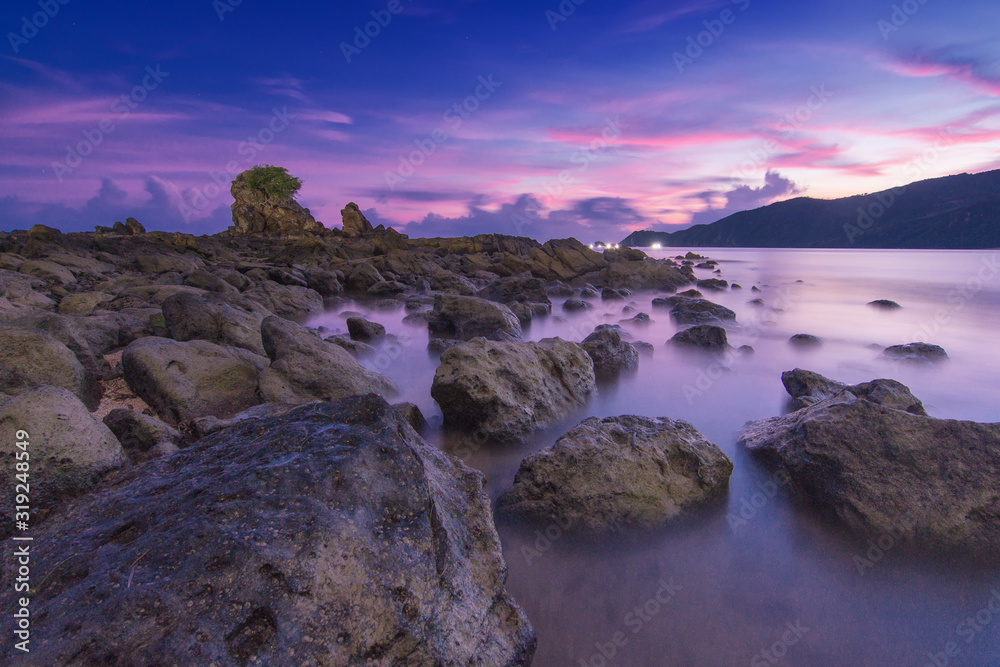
617	474
886	471
182	381
467	317
306	368
223	319
331	535
507	390
68	449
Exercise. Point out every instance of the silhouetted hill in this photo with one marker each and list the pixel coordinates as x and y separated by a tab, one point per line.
961	211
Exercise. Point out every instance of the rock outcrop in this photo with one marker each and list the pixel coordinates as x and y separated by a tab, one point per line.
806	388
355	224
506	391
257	213
330	535
617	474
611	354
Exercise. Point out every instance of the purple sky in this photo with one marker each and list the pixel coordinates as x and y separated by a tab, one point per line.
469	117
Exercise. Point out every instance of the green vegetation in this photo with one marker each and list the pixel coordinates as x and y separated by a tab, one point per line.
274	181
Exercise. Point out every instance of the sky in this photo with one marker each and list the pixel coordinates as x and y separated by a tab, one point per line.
549	119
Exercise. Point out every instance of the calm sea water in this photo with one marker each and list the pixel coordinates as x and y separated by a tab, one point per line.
757	581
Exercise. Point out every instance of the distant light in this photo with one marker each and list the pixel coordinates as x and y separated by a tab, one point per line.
591	246
656	246
615	246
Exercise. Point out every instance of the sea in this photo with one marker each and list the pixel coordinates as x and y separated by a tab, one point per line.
758	580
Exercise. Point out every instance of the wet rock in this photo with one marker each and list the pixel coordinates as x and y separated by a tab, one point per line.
612	294
364	330
507	390
69	448
884	304
756	302
329	535
410	413
643	348
439	345
466	317
806	387
802	340
576	305
357	349
226	320
703	336
611	354
619	474
325	283
714	284
306	368
185	380
700	311
589	292
916	352
638	318
884	471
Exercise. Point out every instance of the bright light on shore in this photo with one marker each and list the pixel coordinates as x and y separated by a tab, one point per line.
655	246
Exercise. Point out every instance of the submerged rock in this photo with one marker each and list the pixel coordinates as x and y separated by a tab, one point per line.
884	304
619	473
886	471
806	388
803	340
610	353
699	311
576	305
506	391
330	535
916	352
704	336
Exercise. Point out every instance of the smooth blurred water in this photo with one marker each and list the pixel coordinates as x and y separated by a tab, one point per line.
724	588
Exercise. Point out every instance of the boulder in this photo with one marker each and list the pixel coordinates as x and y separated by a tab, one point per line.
612	294
807	387
611	354
643	274
29	358
362	276
704	336
288	301
355	224
916	353
467	317
69	449
619	474
223	319
255	213
886	472
357	349
522	288
82	303
507	390
50	272
699	311
446	281
185	380
364	330
803	340
142	436
208	281
715	284
305	367
884	304
330	535
133	226
576	305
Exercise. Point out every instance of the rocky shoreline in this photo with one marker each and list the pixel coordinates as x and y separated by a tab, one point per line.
219	484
